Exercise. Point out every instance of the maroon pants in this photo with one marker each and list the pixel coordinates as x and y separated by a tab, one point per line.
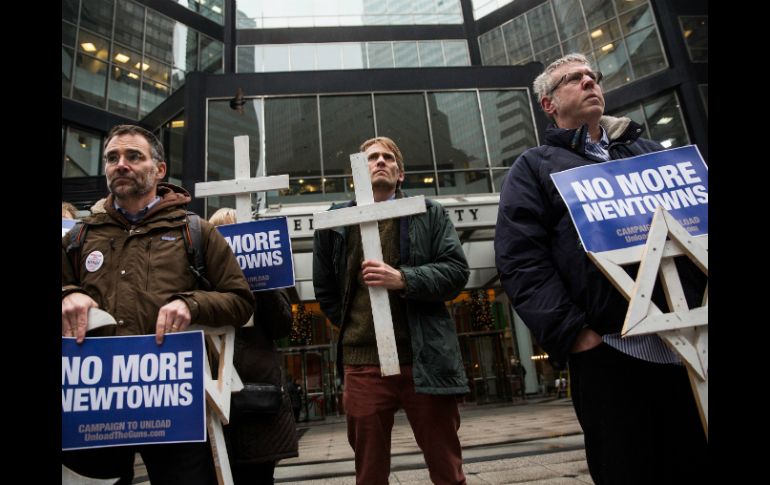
371	401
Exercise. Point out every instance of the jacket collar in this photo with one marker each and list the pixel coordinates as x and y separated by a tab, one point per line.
618	130
171	196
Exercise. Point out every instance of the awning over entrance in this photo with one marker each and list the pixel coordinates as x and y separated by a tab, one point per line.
474	217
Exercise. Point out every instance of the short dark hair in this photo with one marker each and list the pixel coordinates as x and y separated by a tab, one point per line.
155	145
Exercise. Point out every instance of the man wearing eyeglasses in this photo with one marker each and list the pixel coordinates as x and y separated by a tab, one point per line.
133	263
632	396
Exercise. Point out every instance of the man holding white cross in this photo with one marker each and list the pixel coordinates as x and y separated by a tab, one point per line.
423	266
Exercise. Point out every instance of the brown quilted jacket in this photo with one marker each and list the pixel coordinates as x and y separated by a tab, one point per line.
145	266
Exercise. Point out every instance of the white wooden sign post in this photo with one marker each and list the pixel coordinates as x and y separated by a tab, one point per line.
685	330
222	339
366	213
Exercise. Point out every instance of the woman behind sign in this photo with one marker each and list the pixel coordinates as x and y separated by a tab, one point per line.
255	442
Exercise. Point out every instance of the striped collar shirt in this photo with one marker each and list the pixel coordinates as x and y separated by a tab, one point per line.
646	347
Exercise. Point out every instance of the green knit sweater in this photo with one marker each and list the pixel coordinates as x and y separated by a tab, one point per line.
359	342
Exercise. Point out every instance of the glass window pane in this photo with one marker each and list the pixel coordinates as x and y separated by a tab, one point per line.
498	177
211	9
191	51
249	58
492	48
155	71
90	80
569	17
399	6
597	12
664	119
159	41
81	156
645	52
224	123
124	57
406	54
184	39
695	30
124	91
549	55
174	155
419	183
328	56
177	78
307	189
353	56
402	117
704	94
96	16
276	58
456	126
68	34
69	10
456	53
637	19
470	182
94	45
346	121
66	70
380	54
430	53
613	62
291	136
516	35
605	33
340	188
212	53
130	29
623	5
541	27
578	43
508	123
153	93
302	57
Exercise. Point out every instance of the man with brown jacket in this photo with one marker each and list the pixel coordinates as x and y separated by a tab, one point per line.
134	265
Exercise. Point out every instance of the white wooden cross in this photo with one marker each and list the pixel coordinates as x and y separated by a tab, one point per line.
685	330
222	339
366	213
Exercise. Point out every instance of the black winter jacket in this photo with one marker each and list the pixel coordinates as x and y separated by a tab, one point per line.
260	438
552	284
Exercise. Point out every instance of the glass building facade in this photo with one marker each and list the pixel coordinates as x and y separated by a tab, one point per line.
126	58
349	55
454	142
271	14
619	37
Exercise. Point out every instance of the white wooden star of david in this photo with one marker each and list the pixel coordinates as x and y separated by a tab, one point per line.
685	330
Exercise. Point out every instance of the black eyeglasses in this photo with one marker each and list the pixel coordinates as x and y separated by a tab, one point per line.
576	77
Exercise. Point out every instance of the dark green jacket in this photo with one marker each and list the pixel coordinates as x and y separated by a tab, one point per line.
436	270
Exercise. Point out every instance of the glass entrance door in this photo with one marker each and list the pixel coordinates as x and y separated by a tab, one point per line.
485	365
314	371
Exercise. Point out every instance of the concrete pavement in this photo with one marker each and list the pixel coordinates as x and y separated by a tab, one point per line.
535	442
532	442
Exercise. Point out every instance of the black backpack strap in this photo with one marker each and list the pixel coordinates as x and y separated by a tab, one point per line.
73	250
194	246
